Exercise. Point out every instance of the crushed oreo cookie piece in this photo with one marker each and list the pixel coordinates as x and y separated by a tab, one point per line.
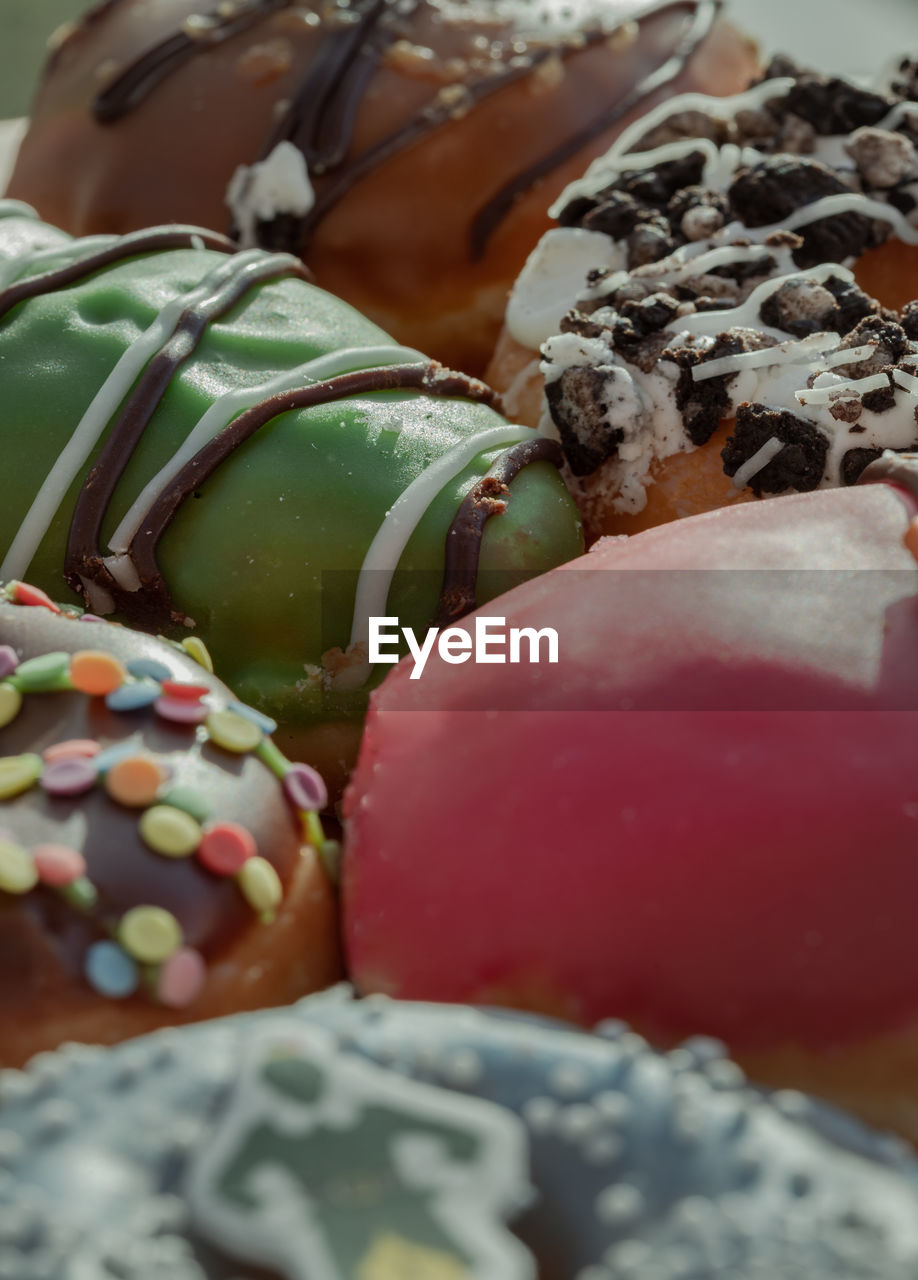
617	215
853	303
579	403
909	319
800	307
801	463
777	186
832	105
889	339
855	461
649	242
658	185
883	158
703	404
881	400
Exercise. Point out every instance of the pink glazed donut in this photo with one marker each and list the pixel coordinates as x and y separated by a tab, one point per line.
704	818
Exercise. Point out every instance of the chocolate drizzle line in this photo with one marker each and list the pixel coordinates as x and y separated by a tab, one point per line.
155	602
141	77
458	595
320	118
102	480
156	240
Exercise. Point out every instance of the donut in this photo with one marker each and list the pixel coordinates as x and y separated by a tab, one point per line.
702	819
201	440
372	1138
408	151
711	231
160	859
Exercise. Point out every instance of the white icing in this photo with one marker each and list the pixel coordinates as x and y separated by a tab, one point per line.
849	355
276	185
280	1225
758	462
825	394
403	517
105	404
907	381
226	407
554	277
788	352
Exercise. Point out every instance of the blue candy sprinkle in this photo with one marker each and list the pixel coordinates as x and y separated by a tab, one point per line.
111	755
133	697
149	667
111	971
265	723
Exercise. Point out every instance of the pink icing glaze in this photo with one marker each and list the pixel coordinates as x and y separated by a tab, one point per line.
749	873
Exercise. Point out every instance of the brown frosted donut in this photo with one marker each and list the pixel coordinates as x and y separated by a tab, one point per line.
154	866
428	137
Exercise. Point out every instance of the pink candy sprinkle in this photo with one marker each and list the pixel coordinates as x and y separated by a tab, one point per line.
181	978
225	846
9	660
185	690
181	710
68	777
304	788
23	593
58	865
73	748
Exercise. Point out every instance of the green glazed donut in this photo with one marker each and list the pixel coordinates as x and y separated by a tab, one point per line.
198	438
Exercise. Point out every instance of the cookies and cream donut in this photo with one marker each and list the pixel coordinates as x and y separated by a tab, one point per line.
200	439
718	233
706	807
160	859
343	1138
407	149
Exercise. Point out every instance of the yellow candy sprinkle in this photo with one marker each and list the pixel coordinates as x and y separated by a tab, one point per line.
17	868
18	773
96	672
261	886
150	934
197	649
135	781
10	702
171	832
233	732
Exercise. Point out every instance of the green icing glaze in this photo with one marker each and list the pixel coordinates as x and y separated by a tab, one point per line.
264	556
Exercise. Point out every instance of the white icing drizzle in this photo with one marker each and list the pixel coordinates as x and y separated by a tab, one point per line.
403	517
758	462
106	402
226	407
831	206
855	386
907	381
849	355
746	315
17	209
620	155
788	352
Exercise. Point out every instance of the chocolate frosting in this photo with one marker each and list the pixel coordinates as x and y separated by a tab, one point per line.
320	115
40	931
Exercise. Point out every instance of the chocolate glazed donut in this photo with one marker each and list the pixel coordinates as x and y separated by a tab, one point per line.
427	138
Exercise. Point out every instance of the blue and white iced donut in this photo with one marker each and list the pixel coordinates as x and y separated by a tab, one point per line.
373	1140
